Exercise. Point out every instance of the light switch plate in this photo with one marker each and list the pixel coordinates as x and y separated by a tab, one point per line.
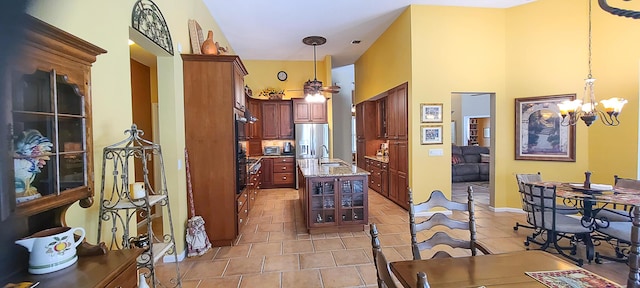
436	152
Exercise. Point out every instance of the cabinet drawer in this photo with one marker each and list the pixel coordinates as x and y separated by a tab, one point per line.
376	163
279	167
243	212
242	199
283	160
127	279
384	166
283	178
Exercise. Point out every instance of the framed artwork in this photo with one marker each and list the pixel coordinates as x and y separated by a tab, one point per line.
430	134
431	113
540	134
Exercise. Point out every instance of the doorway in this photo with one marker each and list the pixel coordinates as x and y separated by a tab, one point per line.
472	116
144	109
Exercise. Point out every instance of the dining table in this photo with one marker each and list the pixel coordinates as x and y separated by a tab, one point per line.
590	199
492	270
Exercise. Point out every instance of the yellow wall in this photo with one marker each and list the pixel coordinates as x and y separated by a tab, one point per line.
263	74
387	63
454	49
111	89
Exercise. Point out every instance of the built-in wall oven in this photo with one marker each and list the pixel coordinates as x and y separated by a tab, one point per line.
241	155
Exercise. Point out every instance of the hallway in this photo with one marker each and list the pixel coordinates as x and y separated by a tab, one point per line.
274	249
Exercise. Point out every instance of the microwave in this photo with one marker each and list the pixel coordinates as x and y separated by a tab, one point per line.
271	150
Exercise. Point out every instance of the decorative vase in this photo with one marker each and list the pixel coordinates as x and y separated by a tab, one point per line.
208	46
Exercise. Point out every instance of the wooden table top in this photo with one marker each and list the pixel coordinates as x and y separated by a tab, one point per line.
496	270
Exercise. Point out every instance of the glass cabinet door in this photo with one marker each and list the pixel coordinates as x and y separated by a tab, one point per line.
352	200
322	203
49	128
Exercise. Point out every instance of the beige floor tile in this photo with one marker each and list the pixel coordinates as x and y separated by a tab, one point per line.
270	227
239	266
264	249
286	262
206	269
280	236
340	277
233	251
357	242
265	280
368	274
328	244
350	257
256	237
317	260
303	278
259	220
231	281
297	246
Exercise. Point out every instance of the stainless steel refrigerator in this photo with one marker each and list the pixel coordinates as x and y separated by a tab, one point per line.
310	139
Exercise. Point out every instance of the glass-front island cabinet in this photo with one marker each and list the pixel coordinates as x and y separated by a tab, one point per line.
333	194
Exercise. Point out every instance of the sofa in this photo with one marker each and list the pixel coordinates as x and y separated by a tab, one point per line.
469	163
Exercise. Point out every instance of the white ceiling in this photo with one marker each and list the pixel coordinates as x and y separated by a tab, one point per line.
273	30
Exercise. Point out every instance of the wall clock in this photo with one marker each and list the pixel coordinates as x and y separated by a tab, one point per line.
282	75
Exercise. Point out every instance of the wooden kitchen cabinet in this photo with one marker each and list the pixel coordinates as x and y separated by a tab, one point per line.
367	143
277	119
267	172
396	105
398	173
210	89
283	172
254	130
309	112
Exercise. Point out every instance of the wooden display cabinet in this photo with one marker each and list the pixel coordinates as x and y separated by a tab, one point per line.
335	204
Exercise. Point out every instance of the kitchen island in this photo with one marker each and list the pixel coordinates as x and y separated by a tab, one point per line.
333	194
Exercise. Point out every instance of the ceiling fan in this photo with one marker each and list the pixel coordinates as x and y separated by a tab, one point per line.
313	87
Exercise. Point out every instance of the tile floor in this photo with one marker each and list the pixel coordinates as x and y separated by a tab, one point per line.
274	249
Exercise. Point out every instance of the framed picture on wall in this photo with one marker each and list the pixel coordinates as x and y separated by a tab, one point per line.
540	134
431	113
430	134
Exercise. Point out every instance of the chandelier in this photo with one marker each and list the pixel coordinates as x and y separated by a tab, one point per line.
618	11
586	109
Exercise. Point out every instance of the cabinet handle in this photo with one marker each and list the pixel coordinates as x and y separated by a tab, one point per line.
245	211
284	168
284	177
240	220
284	160
378	185
239	203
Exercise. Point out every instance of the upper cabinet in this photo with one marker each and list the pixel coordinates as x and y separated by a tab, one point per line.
309	112
396	112
238	80
50	122
277	119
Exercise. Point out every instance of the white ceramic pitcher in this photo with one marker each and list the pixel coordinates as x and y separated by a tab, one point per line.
52	249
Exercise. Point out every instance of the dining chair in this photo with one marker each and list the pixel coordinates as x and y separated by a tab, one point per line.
383	272
616	213
542	210
533	178
437	199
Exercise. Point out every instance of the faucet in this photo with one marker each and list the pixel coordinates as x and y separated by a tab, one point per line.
323	150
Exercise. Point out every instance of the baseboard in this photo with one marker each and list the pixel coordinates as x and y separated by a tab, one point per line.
506	209
169	258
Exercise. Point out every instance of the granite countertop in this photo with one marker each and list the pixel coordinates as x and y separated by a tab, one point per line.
311	168
383	159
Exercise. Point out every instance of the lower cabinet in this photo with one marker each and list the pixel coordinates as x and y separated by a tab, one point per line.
278	172
379	178
335	204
